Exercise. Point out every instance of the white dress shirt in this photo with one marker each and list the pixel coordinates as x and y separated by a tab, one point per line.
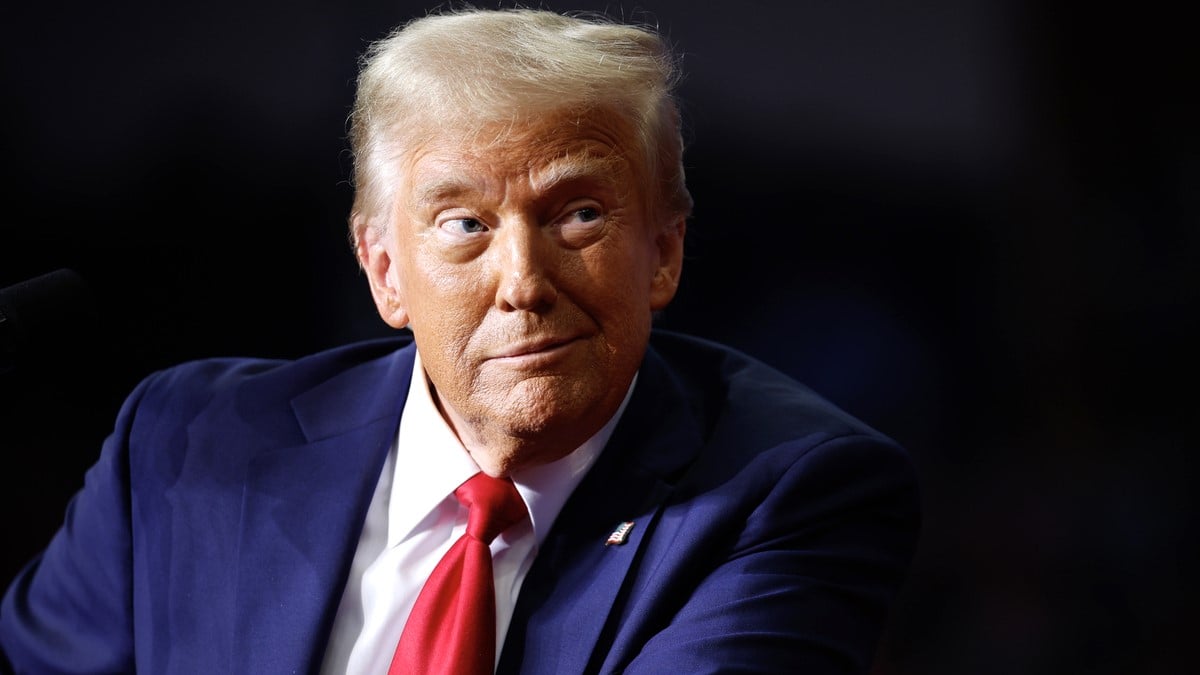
414	518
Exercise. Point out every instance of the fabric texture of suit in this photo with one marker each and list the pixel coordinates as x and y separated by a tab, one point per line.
771	530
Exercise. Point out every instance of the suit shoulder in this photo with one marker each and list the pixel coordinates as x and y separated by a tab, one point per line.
769	443
735	393
181	391
222	373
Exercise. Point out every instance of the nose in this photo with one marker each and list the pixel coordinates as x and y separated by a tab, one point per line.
526	263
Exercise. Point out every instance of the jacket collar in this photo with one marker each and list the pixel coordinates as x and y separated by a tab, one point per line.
576	580
310	500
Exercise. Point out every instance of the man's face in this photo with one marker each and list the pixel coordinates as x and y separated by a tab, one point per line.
527	264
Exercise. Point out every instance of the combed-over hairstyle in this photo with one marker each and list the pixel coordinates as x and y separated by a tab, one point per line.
472	68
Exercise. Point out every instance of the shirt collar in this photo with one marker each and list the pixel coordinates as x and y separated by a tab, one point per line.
431	462
545	488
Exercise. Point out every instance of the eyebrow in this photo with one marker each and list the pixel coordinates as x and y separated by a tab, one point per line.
602	169
441	190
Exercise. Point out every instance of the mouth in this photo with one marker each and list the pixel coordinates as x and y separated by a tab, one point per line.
537	351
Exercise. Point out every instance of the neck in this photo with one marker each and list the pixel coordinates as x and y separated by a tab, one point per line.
499	452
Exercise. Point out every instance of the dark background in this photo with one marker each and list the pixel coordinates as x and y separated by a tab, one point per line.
975	224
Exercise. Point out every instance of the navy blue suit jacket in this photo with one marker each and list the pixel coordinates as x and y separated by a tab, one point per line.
215	534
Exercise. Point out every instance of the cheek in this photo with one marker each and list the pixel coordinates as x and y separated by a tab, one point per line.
618	279
447	301
436	281
614	293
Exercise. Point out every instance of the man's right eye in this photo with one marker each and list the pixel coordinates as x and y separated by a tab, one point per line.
463	226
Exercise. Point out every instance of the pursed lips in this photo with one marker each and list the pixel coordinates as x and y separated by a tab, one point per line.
533	347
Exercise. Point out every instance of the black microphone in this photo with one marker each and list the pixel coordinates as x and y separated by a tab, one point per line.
40	314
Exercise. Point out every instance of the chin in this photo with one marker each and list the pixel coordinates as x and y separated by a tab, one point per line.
537	410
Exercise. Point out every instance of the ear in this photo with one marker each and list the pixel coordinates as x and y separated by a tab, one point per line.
669	243
371	242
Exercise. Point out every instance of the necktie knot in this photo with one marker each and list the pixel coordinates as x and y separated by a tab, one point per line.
494	503
452	627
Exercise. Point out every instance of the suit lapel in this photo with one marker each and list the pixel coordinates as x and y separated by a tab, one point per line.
303	510
577	581
309	500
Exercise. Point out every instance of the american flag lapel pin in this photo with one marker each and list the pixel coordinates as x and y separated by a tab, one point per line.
620	534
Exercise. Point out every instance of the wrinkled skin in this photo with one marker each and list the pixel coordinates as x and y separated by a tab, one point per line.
527	262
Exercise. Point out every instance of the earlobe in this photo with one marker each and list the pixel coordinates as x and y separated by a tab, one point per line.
669	243
378	265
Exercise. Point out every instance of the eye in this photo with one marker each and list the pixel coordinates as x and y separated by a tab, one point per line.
463	226
582	225
583	216
587	214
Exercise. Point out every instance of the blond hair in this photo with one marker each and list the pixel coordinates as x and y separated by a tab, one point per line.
478	67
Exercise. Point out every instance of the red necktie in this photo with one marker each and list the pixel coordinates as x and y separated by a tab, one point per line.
452	628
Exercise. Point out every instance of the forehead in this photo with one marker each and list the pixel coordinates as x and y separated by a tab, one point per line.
545	150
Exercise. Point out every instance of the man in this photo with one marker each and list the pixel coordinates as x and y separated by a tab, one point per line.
679	507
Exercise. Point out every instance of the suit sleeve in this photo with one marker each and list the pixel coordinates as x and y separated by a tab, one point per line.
806	585
70	610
